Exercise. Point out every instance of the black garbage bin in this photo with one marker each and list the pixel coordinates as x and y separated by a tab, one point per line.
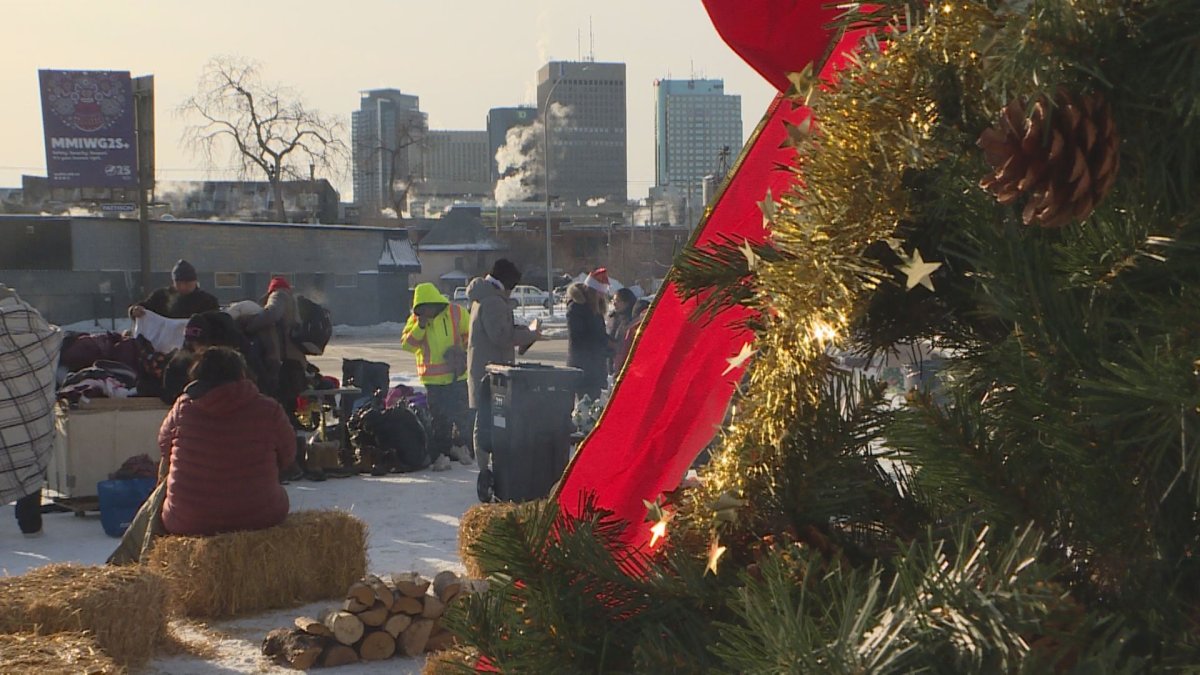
531	427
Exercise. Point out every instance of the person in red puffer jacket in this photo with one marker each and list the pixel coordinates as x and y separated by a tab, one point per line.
224	445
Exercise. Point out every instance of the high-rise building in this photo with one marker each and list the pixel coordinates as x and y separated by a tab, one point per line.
698	133
499	121
456	164
386	136
588	139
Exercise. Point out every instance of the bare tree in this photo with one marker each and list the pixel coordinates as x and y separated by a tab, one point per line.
261	128
399	176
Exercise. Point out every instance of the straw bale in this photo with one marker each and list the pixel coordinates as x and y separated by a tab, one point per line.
313	555
471	525
124	609
57	654
454	661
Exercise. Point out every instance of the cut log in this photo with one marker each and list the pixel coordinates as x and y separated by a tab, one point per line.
377	646
443	639
354	606
383	593
414	638
347	628
433	608
397	623
375	616
361	592
407	605
313	627
339	655
293	648
446	585
410	584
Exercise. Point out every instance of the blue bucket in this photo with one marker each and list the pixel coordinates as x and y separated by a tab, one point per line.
120	501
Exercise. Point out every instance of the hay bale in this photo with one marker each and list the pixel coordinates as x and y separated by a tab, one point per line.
58	654
471	525
313	555
124	609
454	661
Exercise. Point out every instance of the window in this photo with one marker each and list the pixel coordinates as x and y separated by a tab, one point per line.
227	280
345	281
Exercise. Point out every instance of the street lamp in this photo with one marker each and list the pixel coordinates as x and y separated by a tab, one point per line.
546	162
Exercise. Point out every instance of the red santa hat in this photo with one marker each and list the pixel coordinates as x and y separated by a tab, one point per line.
598	280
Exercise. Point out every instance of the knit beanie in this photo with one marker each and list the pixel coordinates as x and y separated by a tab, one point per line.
183	271
504	271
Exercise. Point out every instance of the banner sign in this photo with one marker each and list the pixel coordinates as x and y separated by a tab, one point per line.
88	119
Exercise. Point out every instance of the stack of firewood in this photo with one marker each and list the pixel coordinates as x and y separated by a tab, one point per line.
382	617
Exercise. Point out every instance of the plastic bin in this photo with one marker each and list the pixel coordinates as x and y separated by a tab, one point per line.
531	427
120	501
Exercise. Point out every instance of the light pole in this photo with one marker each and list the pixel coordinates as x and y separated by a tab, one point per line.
546	163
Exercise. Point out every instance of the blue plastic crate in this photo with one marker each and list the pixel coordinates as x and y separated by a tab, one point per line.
120	501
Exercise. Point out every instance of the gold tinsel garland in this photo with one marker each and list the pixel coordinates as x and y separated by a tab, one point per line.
879	120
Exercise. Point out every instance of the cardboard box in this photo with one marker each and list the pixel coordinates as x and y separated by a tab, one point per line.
95	439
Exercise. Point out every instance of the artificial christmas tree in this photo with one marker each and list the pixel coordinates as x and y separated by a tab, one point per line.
1034	504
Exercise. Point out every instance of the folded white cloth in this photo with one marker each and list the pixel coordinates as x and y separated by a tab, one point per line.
244	309
165	334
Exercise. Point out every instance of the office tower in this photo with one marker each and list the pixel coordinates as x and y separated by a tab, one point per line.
386	135
698	133
587	132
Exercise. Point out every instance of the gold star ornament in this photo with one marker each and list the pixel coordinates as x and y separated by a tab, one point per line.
797	134
918	271
715	551
657	532
751	257
801	85
738	360
767	206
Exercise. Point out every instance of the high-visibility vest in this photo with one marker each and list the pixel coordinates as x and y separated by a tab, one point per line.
430	343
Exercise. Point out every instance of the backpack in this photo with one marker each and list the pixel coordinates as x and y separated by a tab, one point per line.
313	328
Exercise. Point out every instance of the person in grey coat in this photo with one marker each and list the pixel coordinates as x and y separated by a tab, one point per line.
494	338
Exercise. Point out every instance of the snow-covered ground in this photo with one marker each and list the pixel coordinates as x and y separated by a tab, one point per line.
412	521
413	525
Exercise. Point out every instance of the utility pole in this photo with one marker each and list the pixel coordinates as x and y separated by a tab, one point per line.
143	106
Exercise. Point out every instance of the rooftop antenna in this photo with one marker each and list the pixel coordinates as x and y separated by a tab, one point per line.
578	44
591	41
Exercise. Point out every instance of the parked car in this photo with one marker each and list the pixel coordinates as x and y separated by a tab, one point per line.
460	297
531	296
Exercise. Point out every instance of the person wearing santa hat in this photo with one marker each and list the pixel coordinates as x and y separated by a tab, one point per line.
587	338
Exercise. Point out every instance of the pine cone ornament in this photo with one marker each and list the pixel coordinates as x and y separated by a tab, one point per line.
1063	157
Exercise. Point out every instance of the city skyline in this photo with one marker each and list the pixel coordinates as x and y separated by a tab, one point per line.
329	64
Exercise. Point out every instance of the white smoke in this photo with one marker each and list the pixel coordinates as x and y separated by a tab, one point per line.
520	161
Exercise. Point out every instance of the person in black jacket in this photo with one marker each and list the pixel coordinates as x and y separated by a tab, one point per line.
587	340
204	330
181	299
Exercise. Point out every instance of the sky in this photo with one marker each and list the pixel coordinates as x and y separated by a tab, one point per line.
461	57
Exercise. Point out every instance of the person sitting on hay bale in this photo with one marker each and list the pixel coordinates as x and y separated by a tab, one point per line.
223	445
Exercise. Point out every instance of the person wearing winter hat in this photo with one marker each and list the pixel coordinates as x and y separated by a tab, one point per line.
588	346
494	338
598	281
181	299
285	366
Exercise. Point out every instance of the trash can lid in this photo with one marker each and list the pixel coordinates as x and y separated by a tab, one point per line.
526	367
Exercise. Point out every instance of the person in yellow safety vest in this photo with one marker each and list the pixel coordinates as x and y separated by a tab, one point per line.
436	333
